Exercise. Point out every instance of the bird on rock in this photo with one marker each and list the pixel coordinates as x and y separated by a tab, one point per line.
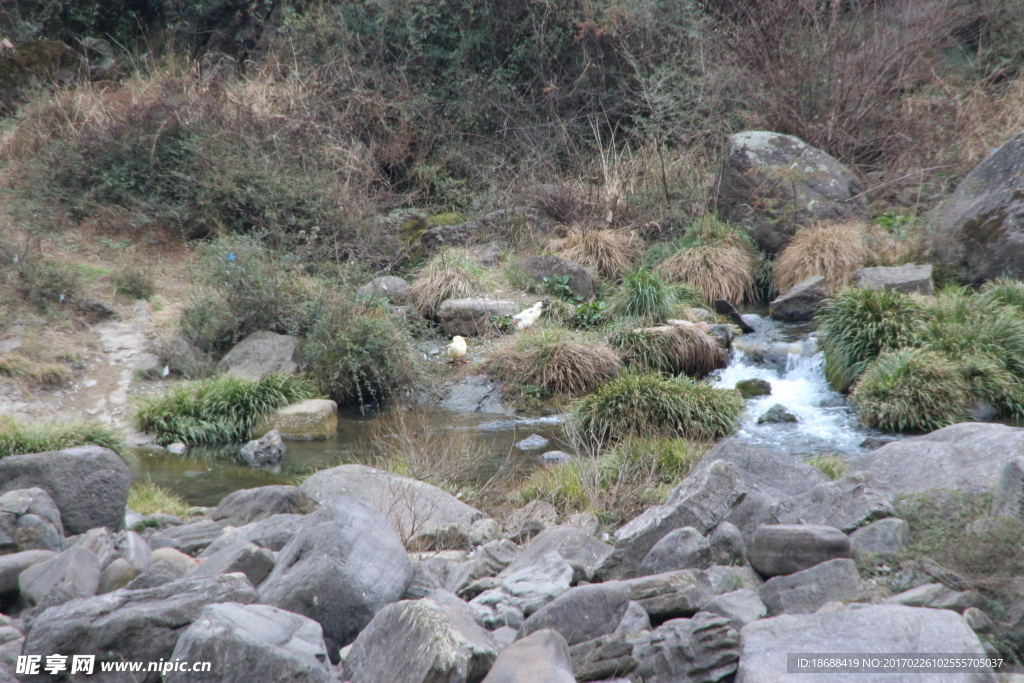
526	319
457	350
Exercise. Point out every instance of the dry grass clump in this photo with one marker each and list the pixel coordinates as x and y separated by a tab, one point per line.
554	362
832	250
723	269
670	350
451	274
610	252
17	366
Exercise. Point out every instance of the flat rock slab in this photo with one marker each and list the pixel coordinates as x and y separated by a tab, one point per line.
252	505
474	316
801	301
908	278
807	591
847	504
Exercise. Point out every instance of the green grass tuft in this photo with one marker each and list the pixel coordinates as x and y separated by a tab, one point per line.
17	437
147	498
220	409
672	351
646	297
832	465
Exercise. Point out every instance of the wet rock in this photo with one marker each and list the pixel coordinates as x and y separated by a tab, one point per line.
723	307
88	484
729	579
704	648
672	594
260	354
390	287
739	607
780	183
907	278
309	420
723	334
344	565
474	394
177	448
781	549
473	316
268	450
808	590
553	269
801	301
683	548
884	538
582	613
543	657
749	388
252	505
534	442
252	643
727	545
847	504
777	414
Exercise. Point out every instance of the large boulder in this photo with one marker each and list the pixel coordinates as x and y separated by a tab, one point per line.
268	450
13	565
582	613
576	546
740	607
522	591
907	278
127	625
766	644
672	594
474	394
847	504
554	271
684	548
475	316
272	533
344	565
424	515
252	505
247	558
260	354
968	456
780	549
884	538
778	183
390	287
809	590
246	643
542	657
421	641
89	484
309	420
75	573
801	301
981	225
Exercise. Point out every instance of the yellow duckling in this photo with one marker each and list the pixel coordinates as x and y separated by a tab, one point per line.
457	350
526	319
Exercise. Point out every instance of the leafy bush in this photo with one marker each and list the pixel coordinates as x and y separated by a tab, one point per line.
832	250
857	325
17	437
911	390
647	404
451	274
147	498
358	354
220	409
134	283
673	351
646	297
555	361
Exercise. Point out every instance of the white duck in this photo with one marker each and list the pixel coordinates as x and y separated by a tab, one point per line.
457	350
526	319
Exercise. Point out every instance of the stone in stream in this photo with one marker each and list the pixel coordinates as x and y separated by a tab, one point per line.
555	458
310	420
542	657
723	307
749	388
808	590
780	549
177	448
777	414
801	301
534	442
268	450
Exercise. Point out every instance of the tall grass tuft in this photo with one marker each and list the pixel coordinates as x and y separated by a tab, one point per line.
1005	291
646	297
450	274
857	325
911	390
832	250
220	409
722	269
17	437
554	361
832	465
610	252
670	350
147	498
646	404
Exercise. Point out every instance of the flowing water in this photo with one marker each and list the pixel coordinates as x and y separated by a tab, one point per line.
784	355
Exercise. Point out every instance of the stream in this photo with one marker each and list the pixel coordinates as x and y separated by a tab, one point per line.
783	354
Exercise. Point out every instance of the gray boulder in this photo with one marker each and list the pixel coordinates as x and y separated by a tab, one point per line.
473	316
781	549
704	648
88	484
582	613
344	565
554	270
247	558
727	545
116	575
573	544
936	596
907	278
474	394
194	537
12	566
425	516
605	656
728	579
684	548
847	504
801	301
266	451
1009	498
134	549
779	183
766	643
390	287
672	594
543	657
252	505
29	520
260	354
142	625
534	442
884	538
246	643
808	590
102	544
750	388
523	591
777	414
309	420
739	607
421	641
75	573
555	457
980	225
272	533
968	456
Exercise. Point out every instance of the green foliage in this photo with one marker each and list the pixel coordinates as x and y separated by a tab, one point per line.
646	297
17	437
45	283
911	390
590	315
1005	291
147	498
896	224
220	409
558	285
857	325
134	283
832	465
649	404
358	355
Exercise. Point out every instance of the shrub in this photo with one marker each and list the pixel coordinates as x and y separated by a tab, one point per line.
857	325
644	296
451	274
673	351
134	283
831	250
147	498
555	361
833	466
45	283
648	404
911	390
722	269
220	409
17	437
609	252
358	354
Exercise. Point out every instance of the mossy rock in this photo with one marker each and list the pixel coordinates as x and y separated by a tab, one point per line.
749	388
32	64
